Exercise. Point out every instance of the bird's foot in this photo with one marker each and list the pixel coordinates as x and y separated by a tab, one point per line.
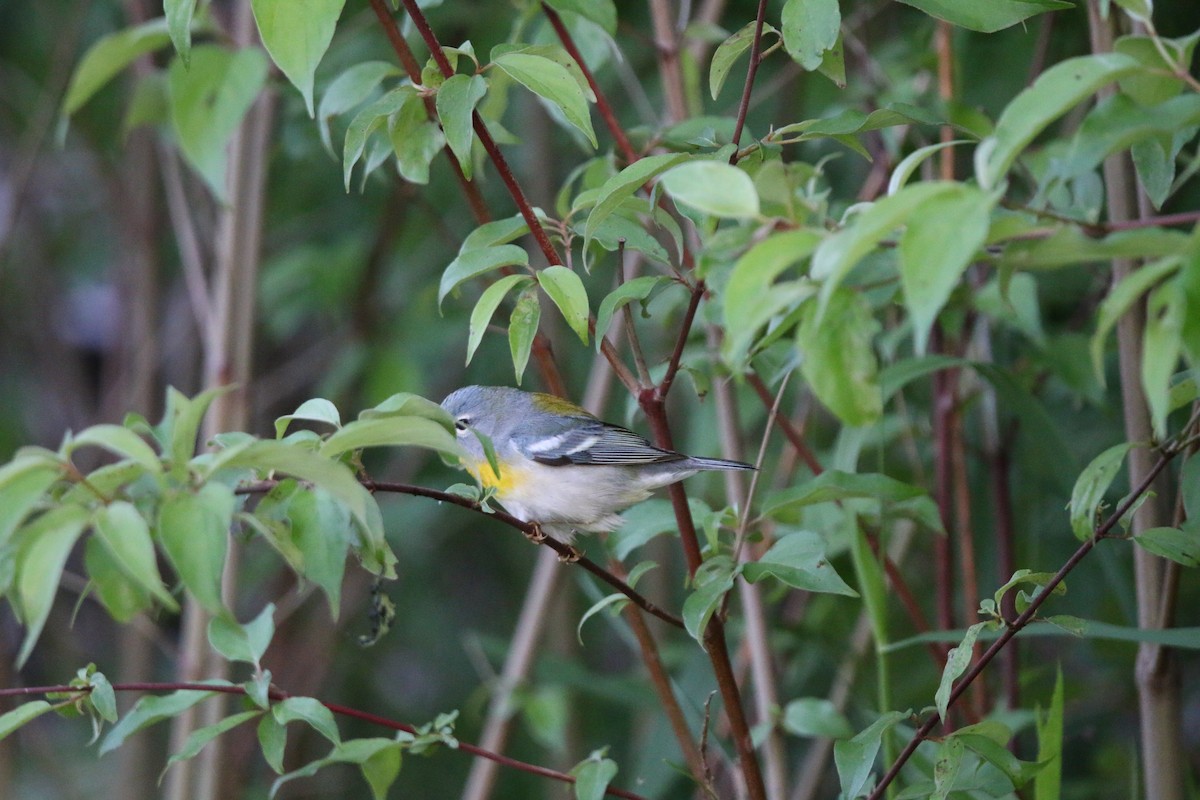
535	534
572	555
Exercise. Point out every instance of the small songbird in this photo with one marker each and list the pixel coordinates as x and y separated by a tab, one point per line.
561	467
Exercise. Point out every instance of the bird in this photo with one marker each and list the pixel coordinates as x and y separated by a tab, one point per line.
560	467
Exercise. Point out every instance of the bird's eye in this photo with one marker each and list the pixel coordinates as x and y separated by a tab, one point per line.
462	423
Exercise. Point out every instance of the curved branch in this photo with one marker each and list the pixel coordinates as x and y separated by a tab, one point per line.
345	711
1025	618
566	552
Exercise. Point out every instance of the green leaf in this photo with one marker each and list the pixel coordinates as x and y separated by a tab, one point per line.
381	770
712	187
729	51
151	709
855	757
620	187
957	661
996	754
310	711
947	767
366	122
23	482
601	12
835	485
1025	576
320	531
407	404
988	17
317	409
640	289
1048	783
456	101
943	235
522	329
813	716
44	545
416	140
126	535
272	739
1090	487
11	721
1140	10
194	531
798	560
354	751
123	598
712	580
1121	298
1056	91
238	642
1181	545
485	308
592	776
1118	123
1160	81
297	33
208	100
198	738
838	254
179	15
391	431
102	697
553	82
565	289
348	90
473	263
334	477
116	439
753	299
1162	345
181	423
839	359
872	584
1069	245
108	56
810	27
500	231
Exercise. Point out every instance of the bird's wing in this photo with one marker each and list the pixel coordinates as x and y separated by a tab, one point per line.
592	443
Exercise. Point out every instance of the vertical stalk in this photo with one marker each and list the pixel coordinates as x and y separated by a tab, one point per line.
227	348
1156	673
530	624
757	629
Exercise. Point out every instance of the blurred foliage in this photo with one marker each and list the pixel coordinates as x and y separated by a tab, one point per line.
352	305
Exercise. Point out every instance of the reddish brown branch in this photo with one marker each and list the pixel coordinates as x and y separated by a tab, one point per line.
794	436
475	200
751	71
485	138
1024	619
345	711
685	328
602	104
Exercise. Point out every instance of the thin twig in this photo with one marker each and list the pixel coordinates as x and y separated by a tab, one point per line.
485	138
602	104
685	328
751	71
1024	619
345	711
409	62
568	553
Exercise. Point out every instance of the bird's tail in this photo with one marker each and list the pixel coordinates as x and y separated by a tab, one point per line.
718	463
